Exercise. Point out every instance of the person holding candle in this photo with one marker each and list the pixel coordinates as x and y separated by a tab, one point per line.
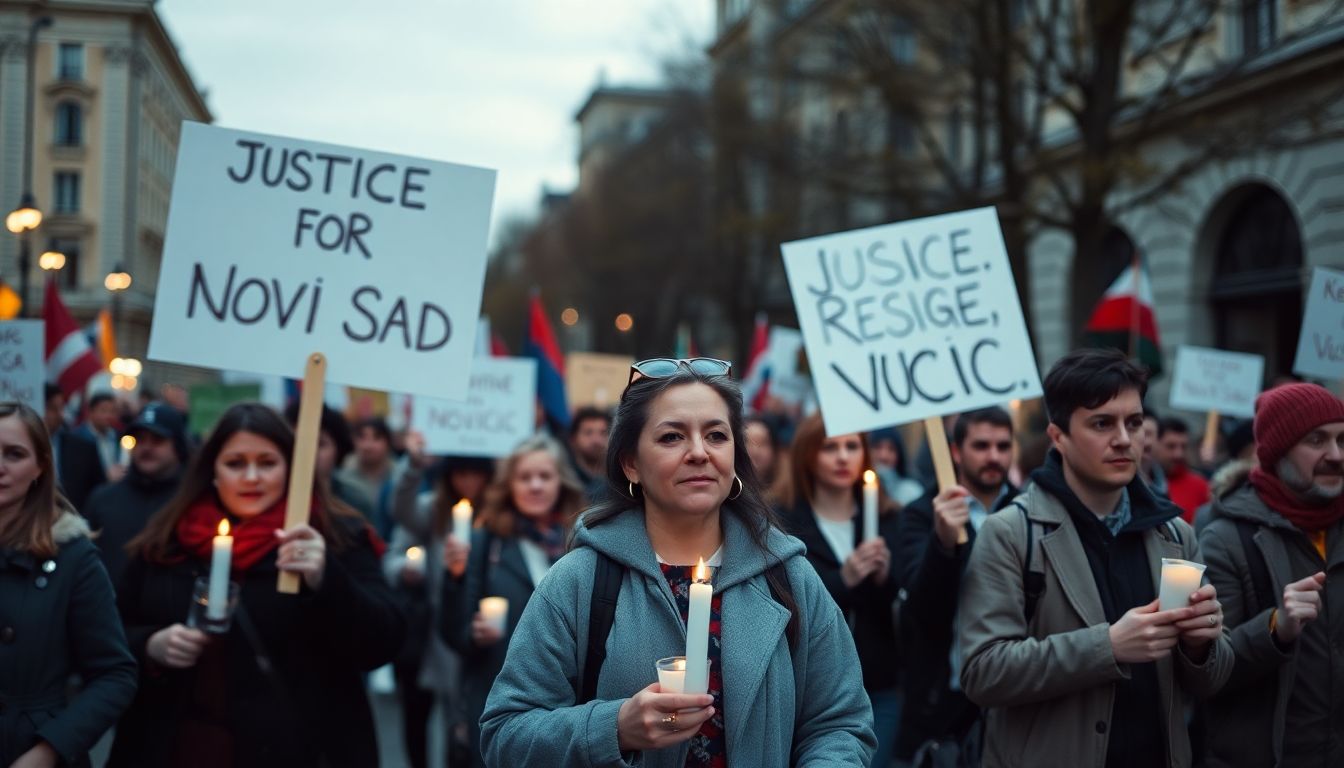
428	670
57	612
784	681
827	505
1078	666
938	716
522	529
1275	550
284	685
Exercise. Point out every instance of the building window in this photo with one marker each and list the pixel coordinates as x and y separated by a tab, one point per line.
69	274
1259	20
902	41
70	61
67	192
69	124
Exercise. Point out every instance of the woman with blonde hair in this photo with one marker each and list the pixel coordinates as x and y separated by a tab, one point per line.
57	612
522	529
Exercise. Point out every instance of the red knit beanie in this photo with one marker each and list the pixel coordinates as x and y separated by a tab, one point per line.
1284	415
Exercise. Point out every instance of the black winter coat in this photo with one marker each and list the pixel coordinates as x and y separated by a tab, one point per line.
309	710
868	606
79	468
58	618
117	512
932	581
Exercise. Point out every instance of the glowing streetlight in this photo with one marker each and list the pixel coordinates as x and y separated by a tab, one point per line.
624	322
51	260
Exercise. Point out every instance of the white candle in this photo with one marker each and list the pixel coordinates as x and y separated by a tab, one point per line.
672	675
415	557
869	505
221	557
1180	578
496	611
462	521
697	632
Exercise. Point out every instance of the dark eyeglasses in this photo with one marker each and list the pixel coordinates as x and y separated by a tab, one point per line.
662	367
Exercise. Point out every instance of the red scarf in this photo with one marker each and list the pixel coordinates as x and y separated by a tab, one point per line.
253	538
1311	519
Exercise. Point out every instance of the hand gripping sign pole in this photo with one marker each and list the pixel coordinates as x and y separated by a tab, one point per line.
302	464
936	435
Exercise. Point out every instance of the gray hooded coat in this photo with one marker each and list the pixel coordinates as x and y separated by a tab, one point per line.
804	708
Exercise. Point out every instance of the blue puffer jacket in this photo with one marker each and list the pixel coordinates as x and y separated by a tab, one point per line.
804	708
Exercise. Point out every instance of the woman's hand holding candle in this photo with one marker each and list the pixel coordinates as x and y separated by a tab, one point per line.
455	554
176	647
303	551
484	632
653	720
867	559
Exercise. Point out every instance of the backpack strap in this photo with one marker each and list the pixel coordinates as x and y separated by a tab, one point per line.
1261	585
607	574
1033	579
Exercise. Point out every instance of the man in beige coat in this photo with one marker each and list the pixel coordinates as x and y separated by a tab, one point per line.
1062	640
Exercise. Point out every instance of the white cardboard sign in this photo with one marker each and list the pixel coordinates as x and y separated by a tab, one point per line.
23	369
278	247
1215	380
1320	347
910	320
498	412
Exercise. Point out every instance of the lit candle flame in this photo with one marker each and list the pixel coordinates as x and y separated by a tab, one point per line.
701	573
463	504
869	477
223	527
415	553
128	442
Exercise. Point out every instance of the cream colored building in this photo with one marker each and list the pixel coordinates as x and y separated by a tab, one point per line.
111	94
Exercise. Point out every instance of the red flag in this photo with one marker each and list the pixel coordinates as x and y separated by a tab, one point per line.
71	361
756	384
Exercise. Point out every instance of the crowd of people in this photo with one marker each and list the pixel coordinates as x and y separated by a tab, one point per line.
1009	619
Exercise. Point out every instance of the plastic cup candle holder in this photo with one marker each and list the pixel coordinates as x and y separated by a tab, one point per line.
1180	578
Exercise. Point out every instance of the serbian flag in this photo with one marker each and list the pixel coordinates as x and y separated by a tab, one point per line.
1124	317
540	345
756	384
71	361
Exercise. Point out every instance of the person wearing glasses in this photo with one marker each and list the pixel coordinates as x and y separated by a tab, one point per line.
579	686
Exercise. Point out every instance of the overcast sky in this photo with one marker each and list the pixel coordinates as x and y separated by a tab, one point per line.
493	84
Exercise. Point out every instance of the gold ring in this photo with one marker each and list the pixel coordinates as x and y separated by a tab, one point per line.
671	721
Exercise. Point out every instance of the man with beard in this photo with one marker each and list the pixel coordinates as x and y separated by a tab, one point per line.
1186	489
937	715
1275	555
1062	639
588	446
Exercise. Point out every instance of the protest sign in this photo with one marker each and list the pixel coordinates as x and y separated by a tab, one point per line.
1320	347
1214	380
596	380
23	368
496	415
208	402
911	320
278	247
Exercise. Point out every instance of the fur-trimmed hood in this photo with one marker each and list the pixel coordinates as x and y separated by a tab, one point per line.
70	526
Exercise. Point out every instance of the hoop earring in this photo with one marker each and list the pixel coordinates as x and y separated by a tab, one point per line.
740	487
631	488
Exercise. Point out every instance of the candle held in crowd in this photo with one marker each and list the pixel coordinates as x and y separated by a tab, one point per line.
496	611
1180	578
672	675
869	505
462	521
697	631
415	557
220	559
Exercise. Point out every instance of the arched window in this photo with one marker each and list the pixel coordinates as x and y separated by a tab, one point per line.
69	124
1256	289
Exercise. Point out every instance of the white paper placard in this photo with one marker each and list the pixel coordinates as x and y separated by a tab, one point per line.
498	412
1320	347
910	320
1215	380
23	369
278	247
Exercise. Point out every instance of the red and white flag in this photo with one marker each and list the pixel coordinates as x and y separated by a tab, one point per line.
756	382
71	361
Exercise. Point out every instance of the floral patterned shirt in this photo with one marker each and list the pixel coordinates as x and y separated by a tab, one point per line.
709	747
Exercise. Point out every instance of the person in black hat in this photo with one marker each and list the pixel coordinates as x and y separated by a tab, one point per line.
118	511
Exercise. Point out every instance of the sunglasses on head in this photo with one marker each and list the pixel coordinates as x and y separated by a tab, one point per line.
662	367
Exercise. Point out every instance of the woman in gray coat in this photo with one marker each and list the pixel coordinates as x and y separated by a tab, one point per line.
57	612
784	681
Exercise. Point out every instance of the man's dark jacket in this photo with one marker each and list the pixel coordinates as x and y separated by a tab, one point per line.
117	512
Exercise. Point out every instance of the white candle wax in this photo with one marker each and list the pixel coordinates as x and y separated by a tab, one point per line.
220	559
869	505
1180	578
496	611
672	677
415	557
462	521
697	632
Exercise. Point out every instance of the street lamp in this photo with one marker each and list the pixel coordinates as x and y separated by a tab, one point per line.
51	261
24	219
117	280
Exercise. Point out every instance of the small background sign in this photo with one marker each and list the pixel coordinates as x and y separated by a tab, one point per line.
1320	348
498	413
23	367
1215	380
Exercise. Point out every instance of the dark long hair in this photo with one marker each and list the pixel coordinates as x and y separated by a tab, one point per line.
749	506
29	529
156	542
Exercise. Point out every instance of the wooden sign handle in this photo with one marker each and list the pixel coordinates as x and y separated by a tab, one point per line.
936	435
304	461
1210	437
